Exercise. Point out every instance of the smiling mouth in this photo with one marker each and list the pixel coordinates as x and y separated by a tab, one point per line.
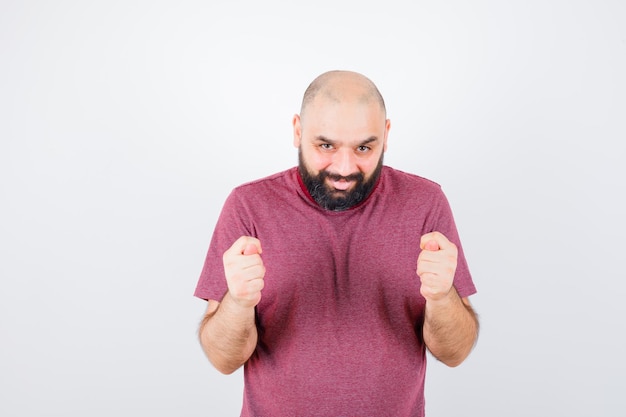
341	185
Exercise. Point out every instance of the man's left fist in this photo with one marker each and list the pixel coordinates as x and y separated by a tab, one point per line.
436	265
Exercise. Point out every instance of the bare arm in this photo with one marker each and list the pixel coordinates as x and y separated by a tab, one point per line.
450	325
450	328
228	333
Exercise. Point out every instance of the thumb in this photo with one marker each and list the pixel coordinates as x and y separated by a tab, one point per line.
251	249
431	245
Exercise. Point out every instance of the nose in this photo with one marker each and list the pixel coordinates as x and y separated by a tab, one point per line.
344	163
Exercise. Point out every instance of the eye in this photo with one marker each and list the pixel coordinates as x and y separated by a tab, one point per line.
326	146
363	148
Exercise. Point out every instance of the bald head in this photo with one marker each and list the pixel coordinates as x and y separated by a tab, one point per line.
342	87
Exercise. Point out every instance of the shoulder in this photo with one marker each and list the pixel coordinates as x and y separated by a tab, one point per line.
396	180
271	182
267	191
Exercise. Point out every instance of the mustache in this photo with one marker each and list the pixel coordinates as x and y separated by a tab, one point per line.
357	176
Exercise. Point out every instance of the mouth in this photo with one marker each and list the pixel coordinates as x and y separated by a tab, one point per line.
341	185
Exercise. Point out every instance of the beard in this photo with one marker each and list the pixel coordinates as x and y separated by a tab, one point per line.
330	198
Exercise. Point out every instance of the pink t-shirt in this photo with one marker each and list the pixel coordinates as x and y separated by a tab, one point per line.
341	314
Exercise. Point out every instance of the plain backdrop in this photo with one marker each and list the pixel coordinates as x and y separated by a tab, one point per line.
125	124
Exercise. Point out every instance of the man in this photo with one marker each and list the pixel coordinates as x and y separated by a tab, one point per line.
328	281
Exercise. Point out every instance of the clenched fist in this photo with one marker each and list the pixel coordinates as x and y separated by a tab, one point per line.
244	271
436	265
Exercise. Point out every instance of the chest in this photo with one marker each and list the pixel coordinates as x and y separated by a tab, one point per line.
340	266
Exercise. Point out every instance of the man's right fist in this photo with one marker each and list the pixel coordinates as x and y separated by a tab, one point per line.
244	271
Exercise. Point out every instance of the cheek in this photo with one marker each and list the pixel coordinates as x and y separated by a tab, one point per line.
317	162
368	167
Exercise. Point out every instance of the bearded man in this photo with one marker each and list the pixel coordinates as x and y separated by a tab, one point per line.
329	281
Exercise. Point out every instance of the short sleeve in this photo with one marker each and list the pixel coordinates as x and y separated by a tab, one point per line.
463	281
230	226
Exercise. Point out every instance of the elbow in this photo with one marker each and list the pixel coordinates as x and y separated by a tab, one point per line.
453	362
223	365
225	369
454	357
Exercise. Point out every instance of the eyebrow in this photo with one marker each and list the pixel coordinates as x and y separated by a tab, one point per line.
322	138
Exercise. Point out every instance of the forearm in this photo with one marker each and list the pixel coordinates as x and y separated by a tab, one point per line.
450	328
228	335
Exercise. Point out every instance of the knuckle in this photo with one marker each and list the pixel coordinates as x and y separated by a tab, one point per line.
238	293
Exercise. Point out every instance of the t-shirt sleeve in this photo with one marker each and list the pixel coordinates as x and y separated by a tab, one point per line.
230	226
445	224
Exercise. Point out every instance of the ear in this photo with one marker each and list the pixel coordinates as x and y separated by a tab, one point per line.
387	127
297	130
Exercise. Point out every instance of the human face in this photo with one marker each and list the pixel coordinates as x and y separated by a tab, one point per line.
341	147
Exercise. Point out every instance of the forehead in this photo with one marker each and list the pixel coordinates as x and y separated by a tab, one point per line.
356	118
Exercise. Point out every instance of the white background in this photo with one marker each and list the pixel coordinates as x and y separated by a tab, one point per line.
124	125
